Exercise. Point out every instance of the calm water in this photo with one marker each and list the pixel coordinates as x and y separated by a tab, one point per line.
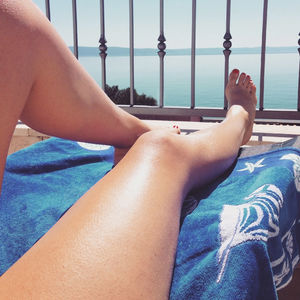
281	77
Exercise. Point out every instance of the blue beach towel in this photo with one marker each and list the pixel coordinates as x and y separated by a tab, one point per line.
239	236
242	239
40	183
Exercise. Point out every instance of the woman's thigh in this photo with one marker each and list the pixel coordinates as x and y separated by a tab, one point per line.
17	72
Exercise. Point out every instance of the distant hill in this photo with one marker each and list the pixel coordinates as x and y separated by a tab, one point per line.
120	51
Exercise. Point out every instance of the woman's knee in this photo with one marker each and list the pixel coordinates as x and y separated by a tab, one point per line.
160	143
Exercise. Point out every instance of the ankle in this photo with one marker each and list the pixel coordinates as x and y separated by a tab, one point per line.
238	112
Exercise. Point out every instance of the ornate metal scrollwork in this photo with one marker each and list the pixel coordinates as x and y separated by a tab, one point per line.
102	47
299	44
227	43
161	46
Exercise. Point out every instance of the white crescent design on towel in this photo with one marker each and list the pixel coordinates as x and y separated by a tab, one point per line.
296	167
93	147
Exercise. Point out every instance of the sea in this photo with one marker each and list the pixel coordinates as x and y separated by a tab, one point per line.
281	77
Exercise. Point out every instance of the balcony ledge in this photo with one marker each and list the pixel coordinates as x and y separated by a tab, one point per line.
262	134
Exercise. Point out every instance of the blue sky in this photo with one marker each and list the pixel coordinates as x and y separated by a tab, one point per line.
246	22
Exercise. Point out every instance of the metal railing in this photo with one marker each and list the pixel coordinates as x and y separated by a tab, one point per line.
192	112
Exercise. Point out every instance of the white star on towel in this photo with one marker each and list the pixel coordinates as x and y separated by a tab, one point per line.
251	167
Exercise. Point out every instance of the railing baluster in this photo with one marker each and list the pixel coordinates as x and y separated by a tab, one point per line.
161	53
131	42
286	116
263	56
75	32
47	5
299	77
193	54
102	42
227	45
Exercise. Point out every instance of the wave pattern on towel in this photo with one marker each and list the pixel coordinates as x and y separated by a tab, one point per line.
242	240
296	167
243	223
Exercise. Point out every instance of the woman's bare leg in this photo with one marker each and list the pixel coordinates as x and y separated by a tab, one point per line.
118	241
113	244
44	85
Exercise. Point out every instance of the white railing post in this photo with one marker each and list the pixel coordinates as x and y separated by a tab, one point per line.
131	43
227	45
298	106
75	31
102	47
47	5
161	53
263	56
193	55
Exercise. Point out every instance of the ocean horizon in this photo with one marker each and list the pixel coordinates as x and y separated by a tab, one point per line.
281	76
125	51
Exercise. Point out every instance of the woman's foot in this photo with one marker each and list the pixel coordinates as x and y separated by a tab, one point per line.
240	93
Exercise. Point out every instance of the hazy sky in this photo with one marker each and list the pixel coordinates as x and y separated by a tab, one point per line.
246	22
